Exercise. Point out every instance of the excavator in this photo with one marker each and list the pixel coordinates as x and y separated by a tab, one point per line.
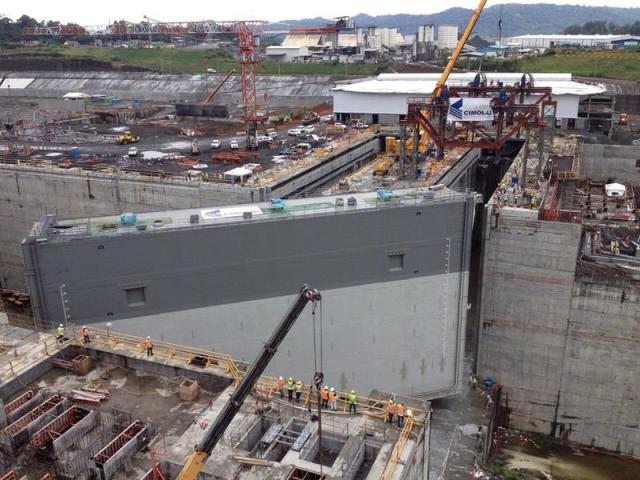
195	462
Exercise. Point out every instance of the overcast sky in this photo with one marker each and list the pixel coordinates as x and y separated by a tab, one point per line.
89	12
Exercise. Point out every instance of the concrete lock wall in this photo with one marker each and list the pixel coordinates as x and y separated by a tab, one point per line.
527	279
611	162
564	349
28	192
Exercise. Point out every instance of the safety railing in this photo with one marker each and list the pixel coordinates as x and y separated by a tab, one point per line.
395	459
266	385
171	351
20	361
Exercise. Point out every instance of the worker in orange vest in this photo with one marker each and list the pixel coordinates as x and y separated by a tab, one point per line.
333	402
391	409
280	385
148	344
400	414
85	334
324	394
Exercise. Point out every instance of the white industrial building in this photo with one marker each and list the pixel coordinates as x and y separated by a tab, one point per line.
547	41
447	37
284	53
384	99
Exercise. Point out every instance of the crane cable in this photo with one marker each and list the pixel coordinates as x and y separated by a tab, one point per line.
315	340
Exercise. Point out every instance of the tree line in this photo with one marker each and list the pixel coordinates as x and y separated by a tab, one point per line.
603	28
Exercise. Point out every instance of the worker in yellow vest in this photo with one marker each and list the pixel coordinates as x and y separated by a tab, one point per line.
353	401
60	333
299	387
400	414
280	386
290	388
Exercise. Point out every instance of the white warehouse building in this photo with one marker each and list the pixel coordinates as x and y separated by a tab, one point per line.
547	41
384	99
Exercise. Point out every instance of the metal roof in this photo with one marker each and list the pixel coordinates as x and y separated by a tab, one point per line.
424	83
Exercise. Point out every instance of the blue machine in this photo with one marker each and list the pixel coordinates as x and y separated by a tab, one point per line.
75	153
128	218
384	194
278	204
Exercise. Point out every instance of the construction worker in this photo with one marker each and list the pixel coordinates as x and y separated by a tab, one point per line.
324	395
333	402
280	385
290	388
60	333
391	409
299	387
353	400
85	334
148	344
400	414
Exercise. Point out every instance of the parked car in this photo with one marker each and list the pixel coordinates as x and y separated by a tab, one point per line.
361	125
233	145
309	129
215	143
272	135
294	131
326	118
340	125
133	152
263	139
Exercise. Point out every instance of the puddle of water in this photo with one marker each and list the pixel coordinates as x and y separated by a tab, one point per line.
562	463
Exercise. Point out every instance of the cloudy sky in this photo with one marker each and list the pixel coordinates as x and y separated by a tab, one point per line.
97	13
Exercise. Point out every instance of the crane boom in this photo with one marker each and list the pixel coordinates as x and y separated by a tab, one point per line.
196	460
456	52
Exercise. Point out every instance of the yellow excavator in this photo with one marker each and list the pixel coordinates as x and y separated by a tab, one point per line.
127	137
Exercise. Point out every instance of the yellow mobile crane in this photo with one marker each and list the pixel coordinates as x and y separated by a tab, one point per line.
459	46
197	459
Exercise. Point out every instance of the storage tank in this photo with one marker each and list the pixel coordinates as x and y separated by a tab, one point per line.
426	33
447	36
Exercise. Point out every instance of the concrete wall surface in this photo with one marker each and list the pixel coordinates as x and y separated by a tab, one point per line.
526	300
600	389
616	162
565	349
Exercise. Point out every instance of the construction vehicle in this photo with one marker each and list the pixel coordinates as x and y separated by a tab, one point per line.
127	137
194	147
210	96
197	459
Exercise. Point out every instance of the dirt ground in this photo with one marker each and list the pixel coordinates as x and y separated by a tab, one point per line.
149	398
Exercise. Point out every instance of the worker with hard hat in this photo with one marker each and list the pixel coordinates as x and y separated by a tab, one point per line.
324	395
280	386
299	387
85	334
400	414
290	388
148	344
60	333
353	401
333	401
391	410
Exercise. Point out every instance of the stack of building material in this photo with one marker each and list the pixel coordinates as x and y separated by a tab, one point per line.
90	395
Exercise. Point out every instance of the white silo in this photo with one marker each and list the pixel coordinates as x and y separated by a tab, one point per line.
447	37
